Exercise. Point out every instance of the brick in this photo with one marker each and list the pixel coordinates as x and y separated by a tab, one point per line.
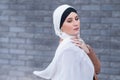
115	32
17	51
103	76
17	7
17	29
115	39
105	32
4	40
42	47
107	7
4	50
3	29
7	34
42	13
101	1
8	13
5	56
16	73
8	23
116	14
84	13
110	7
84	26
7	45
115	52
115	64
4	1
82	1
4	61
89	20
115	45
116	1
116	7
17	18
105	64
116	77
40	41
3	77
43	36
110	20
90	32
108	71
3	6
17	62
25	46
90	7
25	1
101	13
4	18
25	57
47	19
115	26
99	26
17	40
25	35
110	58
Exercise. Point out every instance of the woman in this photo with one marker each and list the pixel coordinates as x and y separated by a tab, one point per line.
71	60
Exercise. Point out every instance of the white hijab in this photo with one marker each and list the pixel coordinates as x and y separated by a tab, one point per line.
70	62
56	21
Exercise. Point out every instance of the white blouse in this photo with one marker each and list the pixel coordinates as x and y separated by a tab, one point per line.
69	63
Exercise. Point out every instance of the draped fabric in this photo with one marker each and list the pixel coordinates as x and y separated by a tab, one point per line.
69	63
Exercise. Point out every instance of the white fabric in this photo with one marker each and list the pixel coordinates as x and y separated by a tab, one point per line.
69	63
57	18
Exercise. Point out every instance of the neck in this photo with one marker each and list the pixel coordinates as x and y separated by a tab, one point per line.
64	36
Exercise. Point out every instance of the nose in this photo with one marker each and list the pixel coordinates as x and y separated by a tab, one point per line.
75	23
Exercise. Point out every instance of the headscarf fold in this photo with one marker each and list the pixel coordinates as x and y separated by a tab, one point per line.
59	17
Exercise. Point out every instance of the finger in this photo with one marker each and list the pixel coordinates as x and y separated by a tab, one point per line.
77	42
78	45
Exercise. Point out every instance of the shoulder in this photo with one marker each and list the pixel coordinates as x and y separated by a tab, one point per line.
67	47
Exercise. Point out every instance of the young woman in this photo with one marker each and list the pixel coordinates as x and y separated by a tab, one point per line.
72	60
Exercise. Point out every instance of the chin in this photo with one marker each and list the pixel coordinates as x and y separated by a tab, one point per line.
75	34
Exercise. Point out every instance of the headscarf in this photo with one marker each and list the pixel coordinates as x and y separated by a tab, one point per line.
59	17
66	54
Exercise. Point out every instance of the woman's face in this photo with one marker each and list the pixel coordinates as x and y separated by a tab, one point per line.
71	24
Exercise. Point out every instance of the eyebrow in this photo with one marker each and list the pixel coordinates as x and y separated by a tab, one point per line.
71	17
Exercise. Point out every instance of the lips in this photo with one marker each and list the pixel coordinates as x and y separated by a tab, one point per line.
76	29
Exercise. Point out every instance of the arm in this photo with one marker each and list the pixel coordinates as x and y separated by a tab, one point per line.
90	52
94	59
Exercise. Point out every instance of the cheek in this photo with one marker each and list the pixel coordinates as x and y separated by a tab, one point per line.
66	27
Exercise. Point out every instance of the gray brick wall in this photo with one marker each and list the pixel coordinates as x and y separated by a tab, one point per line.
28	42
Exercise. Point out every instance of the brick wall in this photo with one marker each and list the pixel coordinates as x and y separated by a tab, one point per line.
28	42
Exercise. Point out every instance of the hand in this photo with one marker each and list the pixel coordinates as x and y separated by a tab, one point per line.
80	43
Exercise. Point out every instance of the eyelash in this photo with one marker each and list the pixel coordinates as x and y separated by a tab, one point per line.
71	20
76	18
